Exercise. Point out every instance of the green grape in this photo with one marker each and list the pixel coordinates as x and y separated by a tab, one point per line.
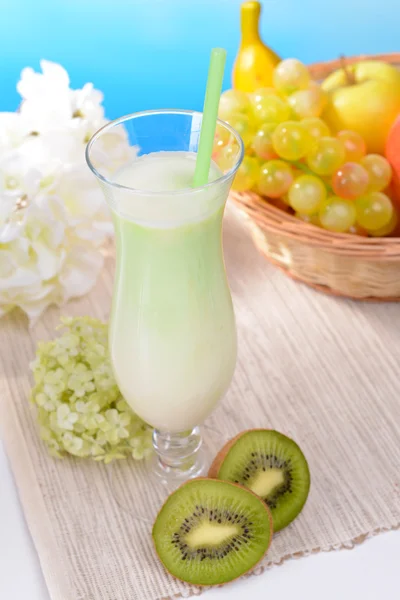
270	109
379	171
260	99
222	136
326	156
247	174
316	128
227	156
262	142
374	211
388	228
275	178
291	75
242	124
354	145
233	102
350	181
307	194
291	141
307	103
260	94
312	219
337	214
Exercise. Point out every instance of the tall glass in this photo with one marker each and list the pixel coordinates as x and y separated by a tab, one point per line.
172	330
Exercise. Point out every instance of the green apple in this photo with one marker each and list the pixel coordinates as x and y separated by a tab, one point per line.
363	97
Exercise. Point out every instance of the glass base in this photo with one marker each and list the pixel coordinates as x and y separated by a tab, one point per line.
179	456
172	479
140	488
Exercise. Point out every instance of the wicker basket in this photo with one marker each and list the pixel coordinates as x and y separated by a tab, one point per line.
337	263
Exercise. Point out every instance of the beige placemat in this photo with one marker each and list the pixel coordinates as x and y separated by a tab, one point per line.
323	370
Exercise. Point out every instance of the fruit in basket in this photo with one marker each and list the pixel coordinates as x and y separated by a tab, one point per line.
222	137
311	219
350	181
255	62
261	93
225	156
247	174
365	98
243	125
392	153
300	166
337	214
210	532
354	145
275	178
291	140
307	103
290	76
374	211
272	466
326	156
307	194
233	102
387	229
268	108
379	172
362	71
316	127
262	142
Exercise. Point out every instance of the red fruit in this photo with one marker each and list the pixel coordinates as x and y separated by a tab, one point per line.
392	152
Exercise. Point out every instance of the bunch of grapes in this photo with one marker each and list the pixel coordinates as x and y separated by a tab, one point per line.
293	159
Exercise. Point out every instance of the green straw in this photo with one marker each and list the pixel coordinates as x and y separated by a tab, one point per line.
210	113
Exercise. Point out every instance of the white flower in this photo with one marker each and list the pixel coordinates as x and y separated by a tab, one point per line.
49	104
53	217
84	203
46	97
86	103
13	130
65	417
72	443
53	81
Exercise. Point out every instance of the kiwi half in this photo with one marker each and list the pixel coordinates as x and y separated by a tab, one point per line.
269	464
210	532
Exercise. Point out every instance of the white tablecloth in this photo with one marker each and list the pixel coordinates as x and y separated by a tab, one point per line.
370	571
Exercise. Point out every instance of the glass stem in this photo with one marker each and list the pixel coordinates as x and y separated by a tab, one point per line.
178	455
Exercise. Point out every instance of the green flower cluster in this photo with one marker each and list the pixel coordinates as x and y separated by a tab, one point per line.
80	408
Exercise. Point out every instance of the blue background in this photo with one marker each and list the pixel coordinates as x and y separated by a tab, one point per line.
154	53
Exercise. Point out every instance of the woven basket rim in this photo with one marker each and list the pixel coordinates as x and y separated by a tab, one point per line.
270	218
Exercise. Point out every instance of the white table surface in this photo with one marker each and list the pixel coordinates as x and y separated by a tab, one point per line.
369	572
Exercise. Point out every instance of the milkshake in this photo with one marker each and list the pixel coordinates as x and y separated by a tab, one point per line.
172	330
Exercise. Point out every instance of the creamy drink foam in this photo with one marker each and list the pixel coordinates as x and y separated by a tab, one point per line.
172	333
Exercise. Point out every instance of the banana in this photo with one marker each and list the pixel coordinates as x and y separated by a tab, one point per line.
255	62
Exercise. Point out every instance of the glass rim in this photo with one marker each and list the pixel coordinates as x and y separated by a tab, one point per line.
144	113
